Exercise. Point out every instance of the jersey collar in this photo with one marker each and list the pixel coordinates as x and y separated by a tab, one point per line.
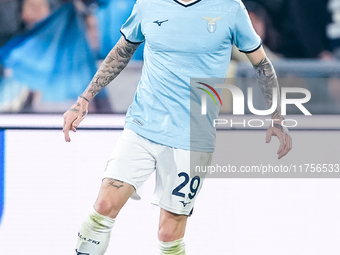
187	4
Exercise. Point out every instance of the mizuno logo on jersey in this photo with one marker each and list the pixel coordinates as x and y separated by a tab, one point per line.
159	23
211	23
184	204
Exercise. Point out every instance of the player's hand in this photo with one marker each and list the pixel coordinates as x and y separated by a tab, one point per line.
282	134
73	117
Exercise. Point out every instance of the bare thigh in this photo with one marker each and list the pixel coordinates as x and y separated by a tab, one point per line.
112	196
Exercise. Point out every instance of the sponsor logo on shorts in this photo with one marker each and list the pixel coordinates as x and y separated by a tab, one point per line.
184	203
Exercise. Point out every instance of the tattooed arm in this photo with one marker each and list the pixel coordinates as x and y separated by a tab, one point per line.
112	65
267	80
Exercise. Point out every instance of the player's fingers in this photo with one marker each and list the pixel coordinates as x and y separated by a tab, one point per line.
269	134
282	142
288	142
289	139
64	123
66	129
77	121
287	147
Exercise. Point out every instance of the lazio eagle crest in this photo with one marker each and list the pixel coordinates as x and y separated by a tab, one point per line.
211	23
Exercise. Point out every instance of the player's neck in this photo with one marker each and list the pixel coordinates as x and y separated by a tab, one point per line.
186	1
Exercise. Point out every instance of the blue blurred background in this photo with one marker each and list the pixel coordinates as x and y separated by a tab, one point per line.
50	49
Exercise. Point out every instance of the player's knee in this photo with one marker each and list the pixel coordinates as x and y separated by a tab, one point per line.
168	233
107	208
165	235
171	226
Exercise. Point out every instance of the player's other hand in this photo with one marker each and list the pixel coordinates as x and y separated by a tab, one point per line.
282	134
73	117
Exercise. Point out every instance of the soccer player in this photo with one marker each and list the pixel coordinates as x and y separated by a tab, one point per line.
183	39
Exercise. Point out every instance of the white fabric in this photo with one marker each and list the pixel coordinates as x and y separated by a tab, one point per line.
135	158
94	234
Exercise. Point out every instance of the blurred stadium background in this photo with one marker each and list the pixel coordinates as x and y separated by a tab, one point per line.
49	51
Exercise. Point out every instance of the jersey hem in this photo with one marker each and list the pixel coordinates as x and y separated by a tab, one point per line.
129	40
251	51
147	135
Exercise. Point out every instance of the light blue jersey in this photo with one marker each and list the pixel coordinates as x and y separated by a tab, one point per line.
182	42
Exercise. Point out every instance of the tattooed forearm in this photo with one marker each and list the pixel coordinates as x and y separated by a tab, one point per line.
115	183
112	65
267	79
279	127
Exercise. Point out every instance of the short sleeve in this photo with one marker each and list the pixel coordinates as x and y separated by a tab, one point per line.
131	29
244	35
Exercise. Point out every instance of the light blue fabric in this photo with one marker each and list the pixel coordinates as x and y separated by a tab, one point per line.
243	33
182	43
53	58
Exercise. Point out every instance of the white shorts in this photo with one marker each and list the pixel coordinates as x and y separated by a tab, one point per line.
135	158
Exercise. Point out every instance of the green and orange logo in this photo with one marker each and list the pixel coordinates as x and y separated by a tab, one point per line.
209	93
